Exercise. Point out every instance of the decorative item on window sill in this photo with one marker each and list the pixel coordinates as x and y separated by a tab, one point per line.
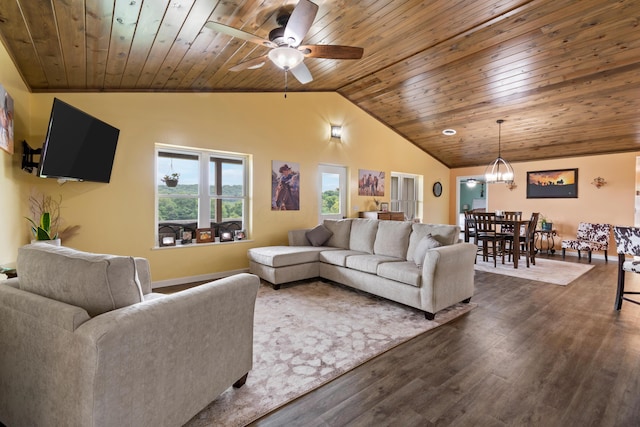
599	182
511	185
499	170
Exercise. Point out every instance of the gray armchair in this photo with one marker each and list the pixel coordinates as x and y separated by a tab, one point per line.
86	343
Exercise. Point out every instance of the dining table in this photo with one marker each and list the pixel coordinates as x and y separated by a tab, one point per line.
520	227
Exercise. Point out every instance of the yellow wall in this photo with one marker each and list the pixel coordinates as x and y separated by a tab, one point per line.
118	217
12	203
612	204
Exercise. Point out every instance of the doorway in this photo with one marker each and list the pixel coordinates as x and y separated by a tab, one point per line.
471	193
333	192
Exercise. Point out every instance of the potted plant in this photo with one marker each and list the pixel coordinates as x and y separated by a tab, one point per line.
45	219
545	224
44	231
171	180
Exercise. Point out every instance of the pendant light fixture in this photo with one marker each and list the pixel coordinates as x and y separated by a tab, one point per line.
499	170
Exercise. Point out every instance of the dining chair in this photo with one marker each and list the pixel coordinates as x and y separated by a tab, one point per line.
469	226
486	233
508	229
527	239
627	243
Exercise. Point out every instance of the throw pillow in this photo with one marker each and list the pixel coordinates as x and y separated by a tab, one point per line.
319	235
426	243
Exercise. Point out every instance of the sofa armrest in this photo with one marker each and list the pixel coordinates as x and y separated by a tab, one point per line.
299	237
448	275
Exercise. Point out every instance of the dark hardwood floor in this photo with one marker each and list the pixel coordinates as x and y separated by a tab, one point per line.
531	354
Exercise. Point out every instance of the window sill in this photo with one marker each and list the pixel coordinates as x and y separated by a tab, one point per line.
192	245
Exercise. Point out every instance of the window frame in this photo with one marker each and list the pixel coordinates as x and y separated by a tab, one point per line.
204	196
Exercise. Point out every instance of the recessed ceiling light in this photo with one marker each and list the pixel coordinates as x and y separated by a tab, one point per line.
449	132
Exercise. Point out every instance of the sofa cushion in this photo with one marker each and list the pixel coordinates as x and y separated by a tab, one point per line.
95	282
363	235
369	263
341	229
281	256
404	272
318	235
392	238
444	233
338	256
426	243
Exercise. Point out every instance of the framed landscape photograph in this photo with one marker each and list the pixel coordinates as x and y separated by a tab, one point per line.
552	184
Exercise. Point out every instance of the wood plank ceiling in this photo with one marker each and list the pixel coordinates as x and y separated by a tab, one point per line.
564	74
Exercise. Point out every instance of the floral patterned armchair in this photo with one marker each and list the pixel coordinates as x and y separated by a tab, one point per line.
590	237
628	243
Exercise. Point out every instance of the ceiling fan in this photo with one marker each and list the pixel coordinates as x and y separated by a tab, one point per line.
285	43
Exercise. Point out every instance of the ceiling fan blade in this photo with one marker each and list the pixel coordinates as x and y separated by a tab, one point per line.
234	32
300	21
251	64
302	73
331	51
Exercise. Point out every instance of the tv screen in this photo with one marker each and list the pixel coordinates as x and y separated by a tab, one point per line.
78	146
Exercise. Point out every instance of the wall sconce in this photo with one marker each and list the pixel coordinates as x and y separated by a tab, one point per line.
511	185
336	131
598	182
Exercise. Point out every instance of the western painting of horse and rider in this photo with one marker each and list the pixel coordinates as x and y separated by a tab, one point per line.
285	186
370	183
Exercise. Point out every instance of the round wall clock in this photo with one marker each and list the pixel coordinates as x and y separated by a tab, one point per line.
437	189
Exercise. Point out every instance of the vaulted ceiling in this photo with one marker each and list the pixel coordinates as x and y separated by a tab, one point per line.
563	74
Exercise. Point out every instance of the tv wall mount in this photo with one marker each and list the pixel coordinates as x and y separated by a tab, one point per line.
28	162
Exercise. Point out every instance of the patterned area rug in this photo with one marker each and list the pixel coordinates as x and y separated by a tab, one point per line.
549	271
308	334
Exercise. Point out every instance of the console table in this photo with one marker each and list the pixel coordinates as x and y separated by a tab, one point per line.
547	236
393	216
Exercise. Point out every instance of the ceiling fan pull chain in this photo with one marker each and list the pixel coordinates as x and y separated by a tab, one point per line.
285	83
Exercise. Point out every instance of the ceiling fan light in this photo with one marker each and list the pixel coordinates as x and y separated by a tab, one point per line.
286	57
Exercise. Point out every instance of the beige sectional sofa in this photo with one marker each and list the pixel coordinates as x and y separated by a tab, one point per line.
84	342
419	265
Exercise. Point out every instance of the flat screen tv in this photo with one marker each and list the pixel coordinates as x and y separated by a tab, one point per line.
78	146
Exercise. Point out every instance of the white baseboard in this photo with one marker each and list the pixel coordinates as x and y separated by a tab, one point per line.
200	278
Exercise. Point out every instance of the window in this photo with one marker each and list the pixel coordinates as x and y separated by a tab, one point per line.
211	192
333	194
405	194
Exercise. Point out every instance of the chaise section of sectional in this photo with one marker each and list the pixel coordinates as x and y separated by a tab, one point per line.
283	264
